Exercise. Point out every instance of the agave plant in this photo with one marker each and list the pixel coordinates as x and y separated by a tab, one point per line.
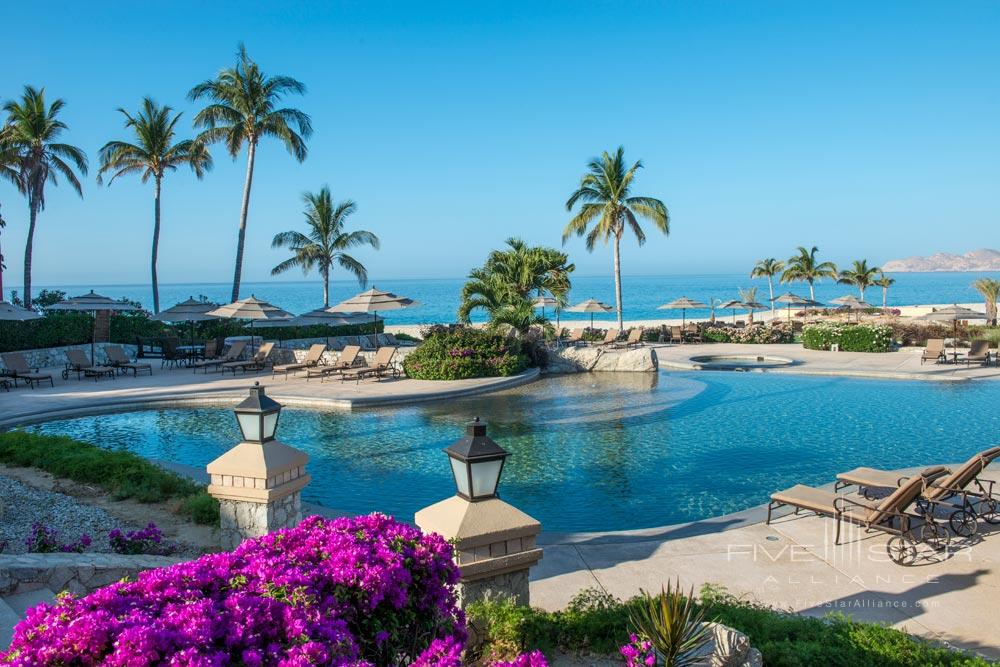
673	624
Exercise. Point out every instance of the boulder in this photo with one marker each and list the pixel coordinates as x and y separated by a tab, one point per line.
638	360
729	648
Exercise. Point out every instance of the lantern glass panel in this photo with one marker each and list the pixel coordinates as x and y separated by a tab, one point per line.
461	474
485	475
250	425
270	425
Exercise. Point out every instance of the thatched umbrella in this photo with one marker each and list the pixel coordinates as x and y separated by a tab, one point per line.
372	301
851	303
682	304
790	300
92	303
252	309
11	313
590	306
733	305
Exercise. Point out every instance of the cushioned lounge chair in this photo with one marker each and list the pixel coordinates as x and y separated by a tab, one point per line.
979	352
934	351
118	360
347	359
380	367
676	335
235	351
19	369
78	362
312	358
888	515
634	339
255	363
574	338
610	336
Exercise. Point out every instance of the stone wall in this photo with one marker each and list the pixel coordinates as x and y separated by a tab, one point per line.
598	359
76	573
240	519
509	585
55	357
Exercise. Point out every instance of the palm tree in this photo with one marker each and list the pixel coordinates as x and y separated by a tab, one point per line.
490	292
860	274
324	243
885	282
768	268
749	295
32	129
8	171
244	109
990	289
152	156
804	268
604	195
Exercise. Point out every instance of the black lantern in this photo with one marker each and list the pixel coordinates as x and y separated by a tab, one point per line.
476	463
257	415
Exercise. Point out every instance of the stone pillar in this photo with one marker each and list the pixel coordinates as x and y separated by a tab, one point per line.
259	487
102	327
494	546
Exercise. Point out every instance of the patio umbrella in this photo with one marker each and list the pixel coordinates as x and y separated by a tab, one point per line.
733	305
790	300
252	309
11	313
851	303
373	301
191	311
590	306
543	300
682	304
319	317
92	303
750	306
953	314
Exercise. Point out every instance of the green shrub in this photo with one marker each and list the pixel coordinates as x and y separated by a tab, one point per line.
123	474
850	337
462	353
715	335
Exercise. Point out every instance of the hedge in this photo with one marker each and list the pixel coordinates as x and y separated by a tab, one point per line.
464	353
849	337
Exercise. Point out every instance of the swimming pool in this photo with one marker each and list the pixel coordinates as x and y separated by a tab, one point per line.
602	451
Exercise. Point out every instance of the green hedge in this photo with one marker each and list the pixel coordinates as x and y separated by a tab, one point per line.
465	353
850	337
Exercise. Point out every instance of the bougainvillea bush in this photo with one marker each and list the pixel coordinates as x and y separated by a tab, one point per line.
465	353
359	591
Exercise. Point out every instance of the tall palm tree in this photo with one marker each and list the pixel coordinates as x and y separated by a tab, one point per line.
604	195
768	268
990	289
152	156
32	131
244	109
885	282
8	171
805	268
749	295
860	275
324	243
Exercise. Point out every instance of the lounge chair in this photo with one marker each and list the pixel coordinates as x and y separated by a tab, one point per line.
78	362
118	360
634	339
347	359
235	352
676	335
380	367
979	352
574	338
18	368
255	363
693	334
312	358
610	336
172	355
888	515
934	351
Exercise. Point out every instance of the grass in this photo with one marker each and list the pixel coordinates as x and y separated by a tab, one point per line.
597	623
123	474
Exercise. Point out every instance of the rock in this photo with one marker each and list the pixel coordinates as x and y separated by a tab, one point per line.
638	360
729	648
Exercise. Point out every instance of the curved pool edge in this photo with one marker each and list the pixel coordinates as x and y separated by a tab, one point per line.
800	367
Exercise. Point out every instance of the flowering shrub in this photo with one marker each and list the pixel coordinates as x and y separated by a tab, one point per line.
45	540
460	353
850	337
760	333
149	540
358	591
638	653
533	659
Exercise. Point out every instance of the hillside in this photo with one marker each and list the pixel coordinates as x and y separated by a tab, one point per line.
983	259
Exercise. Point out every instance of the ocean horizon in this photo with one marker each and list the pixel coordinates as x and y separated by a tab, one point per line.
438	298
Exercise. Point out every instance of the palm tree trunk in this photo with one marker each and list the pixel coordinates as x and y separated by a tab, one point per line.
326	288
812	294
770	291
237	274
862	289
156	246
618	280
28	244
885	297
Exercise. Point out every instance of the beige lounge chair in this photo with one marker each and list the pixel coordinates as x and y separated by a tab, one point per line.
255	363
380	367
676	334
347	359
610	336
934	351
574	338
312	358
19	369
118	360
78	362
235	352
979	352
692	333
888	515
634	339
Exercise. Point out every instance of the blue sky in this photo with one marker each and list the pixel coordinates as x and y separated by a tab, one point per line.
868	129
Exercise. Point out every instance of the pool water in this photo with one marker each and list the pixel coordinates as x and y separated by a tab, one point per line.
602	451
740	363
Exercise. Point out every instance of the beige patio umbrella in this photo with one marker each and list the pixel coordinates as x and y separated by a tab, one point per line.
372	301
952	314
733	305
851	303
682	304
252	309
11	313
790	300
319	317
191	311
543	300
590	306
92	302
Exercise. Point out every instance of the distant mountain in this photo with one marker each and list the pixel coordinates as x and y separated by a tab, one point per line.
977	260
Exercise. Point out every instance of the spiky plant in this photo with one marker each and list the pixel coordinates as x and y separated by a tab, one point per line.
673	623
804	267
748	295
860	275
768	268
990	289
885	282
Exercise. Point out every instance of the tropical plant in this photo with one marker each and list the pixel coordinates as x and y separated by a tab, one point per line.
860	275
152	156
748	295
990	289
32	130
885	282
244	109
605	199
768	268
325	242
8	171
673	623
804	267
464	352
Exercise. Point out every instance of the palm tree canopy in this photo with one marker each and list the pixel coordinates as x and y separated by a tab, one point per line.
325	241
765	268
31	134
885	281
859	274
805	266
154	152
245	108
604	195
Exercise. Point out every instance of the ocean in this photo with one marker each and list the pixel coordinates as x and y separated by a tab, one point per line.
438	298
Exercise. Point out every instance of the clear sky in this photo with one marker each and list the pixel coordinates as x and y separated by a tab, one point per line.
868	129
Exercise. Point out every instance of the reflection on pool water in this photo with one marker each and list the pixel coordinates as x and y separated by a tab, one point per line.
602	451
719	362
